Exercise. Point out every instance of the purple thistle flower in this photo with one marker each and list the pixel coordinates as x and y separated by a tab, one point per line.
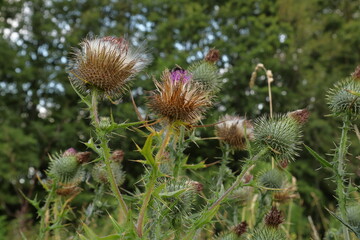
179	74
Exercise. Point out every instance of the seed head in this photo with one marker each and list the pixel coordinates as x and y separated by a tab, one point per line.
106	65
274	218
179	98
234	130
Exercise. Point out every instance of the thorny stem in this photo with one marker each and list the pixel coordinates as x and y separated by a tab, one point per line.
224	161
246	167
340	173
105	152
113	185
44	223
151	183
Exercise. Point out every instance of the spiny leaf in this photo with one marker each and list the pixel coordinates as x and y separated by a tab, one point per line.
322	161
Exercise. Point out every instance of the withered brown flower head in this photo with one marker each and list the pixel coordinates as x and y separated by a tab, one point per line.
213	56
178	98
106	65
232	131
240	229
274	218
300	116
117	155
83	157
356	74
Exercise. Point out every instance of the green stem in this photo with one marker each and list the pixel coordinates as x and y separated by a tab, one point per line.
113	185
224	161
211	211
105	152
44	222
261	209
339	168
151	184
249	163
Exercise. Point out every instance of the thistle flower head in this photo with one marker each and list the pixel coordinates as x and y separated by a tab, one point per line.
234	130
273	178
353	216
274	218
100	174
179	98
280	134
342	98
65	169
106	65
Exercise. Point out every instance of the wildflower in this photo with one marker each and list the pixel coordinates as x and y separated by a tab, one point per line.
106	65
179	98
234	130
274	218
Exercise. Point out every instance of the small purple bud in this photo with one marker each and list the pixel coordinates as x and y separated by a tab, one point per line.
179	74
70	152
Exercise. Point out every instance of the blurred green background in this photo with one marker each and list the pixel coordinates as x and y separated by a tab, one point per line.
308	45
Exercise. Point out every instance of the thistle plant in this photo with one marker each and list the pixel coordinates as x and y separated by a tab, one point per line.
168	202
343	101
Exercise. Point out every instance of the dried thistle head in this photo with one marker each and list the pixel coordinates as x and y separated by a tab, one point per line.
234	130
106	65
179	98
68	190
301	116
213	56
356	74
240	229
274	218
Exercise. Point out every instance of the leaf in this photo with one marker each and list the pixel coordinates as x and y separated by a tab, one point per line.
173	193
111	237
353	92
195	166
90	233
322	161
344	223
147	150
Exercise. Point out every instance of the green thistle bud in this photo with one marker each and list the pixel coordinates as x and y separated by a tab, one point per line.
100	174
280	134
353	215
266	233
180	197
65	169
207	74
272	178
105	123
341	99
